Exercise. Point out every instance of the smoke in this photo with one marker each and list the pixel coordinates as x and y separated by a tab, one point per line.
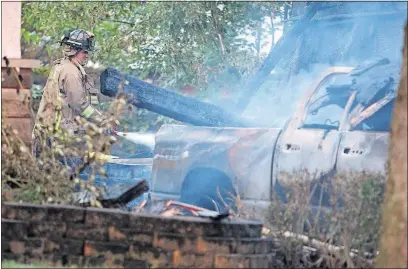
375	30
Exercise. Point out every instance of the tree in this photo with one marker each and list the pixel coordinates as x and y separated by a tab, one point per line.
174	43
393	242
199	43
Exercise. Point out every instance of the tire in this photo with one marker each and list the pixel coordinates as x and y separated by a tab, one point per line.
200	188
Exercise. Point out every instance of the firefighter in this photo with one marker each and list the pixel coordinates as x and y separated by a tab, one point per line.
69	91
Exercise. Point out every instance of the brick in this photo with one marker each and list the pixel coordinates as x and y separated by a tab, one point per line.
135	263
155	256
63	246
115	235
12	257
141	237
63	213
46	229
255	245
79	231
216	245
169	241
227	228
27	212
33	246
114	260
231	261
156	223
94	249
245	229
77	260
95	262
16	247
203	261
54	260
179	259
176	258
5	246
271	244
34	257
260	261
13	229
192	225
97	217
107	260
128	235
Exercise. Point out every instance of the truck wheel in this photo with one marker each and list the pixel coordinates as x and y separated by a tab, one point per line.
200	188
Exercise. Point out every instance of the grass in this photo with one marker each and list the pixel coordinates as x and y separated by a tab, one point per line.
13	264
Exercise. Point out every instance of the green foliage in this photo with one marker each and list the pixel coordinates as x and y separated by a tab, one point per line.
42	71
37	91
173	42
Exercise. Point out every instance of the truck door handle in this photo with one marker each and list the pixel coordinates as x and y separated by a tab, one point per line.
292	147
350	151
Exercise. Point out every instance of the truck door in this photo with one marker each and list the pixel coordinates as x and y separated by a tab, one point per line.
364	147
311	138
364	144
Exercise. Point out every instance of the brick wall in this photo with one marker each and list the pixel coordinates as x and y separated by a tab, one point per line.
67	235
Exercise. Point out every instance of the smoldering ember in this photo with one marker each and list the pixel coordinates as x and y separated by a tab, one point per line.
204	134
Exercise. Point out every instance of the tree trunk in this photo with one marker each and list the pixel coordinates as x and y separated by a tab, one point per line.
393	243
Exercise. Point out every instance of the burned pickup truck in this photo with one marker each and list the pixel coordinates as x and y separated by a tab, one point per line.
341	124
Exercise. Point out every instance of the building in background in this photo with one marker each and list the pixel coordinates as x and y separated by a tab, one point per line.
15	92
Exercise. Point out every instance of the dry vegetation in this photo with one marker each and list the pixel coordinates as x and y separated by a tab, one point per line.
329	223
51	176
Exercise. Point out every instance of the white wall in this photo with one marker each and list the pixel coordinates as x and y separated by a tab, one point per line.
11	29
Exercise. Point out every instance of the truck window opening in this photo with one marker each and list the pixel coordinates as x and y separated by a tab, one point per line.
326	106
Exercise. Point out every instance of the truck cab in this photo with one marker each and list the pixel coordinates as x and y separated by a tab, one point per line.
340	125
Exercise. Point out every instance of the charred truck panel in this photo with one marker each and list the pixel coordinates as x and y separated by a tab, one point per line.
230	158
311	138
341	124
364	145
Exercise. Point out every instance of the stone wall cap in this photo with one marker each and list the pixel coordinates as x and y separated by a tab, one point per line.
134	215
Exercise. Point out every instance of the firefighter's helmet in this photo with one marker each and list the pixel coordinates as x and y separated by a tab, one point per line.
79	40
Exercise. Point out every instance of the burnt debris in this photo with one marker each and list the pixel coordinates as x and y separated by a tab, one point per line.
167	103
